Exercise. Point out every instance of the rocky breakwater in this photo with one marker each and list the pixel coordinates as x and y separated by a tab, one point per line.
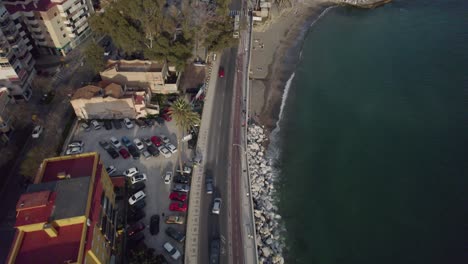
268	229
363	3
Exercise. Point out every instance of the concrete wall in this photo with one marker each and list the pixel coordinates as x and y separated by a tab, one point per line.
104	108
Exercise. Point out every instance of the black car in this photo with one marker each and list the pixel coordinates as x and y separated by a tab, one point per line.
136	239
140	123
153	150
192	90
154	225
134	188
107	124
47	97
192	143
176	235
134	151
181	179
104	144
149	122
134	216
113	153
117	123
160	120
214	251
138	205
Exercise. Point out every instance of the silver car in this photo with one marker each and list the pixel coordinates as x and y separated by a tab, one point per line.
181	188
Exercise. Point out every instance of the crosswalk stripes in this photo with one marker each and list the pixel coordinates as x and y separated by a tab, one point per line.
233	13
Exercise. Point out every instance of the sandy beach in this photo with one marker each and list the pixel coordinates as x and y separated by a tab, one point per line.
275	54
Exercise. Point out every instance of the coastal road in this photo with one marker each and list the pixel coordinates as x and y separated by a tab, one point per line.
217	161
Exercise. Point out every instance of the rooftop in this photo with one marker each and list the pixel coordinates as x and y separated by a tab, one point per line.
29	5
35	208
72	195
66	167
87	92
135	66
38	247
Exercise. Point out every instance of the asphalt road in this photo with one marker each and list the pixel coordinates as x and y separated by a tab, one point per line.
216	226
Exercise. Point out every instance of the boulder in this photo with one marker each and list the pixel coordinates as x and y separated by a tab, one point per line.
266	251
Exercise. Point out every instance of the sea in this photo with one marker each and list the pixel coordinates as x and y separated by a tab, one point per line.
373	137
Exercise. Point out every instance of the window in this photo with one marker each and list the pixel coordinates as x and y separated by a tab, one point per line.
55	14
61	28
64	35
5	64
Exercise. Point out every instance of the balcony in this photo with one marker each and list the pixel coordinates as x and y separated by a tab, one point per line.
71	35
79	13
36	30
32	22
81	21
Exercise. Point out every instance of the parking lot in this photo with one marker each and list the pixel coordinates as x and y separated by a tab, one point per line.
157	192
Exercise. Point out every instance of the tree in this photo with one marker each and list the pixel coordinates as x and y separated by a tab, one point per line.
94	54
185	118
30	164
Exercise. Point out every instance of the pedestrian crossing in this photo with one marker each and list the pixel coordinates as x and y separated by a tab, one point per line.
234	13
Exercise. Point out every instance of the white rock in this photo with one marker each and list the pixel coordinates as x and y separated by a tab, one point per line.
266	251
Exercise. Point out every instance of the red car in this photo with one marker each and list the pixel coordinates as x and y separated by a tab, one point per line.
221	72
175	196
167	117
178	206
135	228
156	141
124	153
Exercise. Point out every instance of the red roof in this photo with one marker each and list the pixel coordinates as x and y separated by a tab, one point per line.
35	214
42	5
38	247
118	181
74	166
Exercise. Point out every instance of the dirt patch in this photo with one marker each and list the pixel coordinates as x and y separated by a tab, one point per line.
192	76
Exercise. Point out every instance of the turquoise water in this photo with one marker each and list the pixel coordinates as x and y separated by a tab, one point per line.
374	164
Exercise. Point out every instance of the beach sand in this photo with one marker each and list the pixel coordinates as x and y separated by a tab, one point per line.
275	54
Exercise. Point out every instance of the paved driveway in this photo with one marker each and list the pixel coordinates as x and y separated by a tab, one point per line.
157	193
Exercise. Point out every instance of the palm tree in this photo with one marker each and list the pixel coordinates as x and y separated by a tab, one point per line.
185	118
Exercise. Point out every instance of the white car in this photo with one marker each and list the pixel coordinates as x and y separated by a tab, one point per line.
216	206
186	170
37	131
146	154
172	251
171	147
131	172
96	124
138	178
165	139
164	151
115	142
110	170
136	197
168	177
147	142
128	123
139	144
76	143
74	150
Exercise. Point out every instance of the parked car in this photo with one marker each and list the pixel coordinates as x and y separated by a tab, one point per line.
172	251
76	143
128	123
176	235
166	117
185	169
178	207
107	124
156	141
37	131
215	250
140	123
136	197
131	172
112	153
216	206
126	141
149	122
165	139
111	169
171	147
134	188
124	153
160	120
147	142
134	151
168	177
134	216
154	225
74	151
85	126
181	179
104	144
138	178
146	154
181	188
139	144
134	240
138	205
176	196
115	142
95	124
117	123
209	185
135	228
165	152
174	219
153	150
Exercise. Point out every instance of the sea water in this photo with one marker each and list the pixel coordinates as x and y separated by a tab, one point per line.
374	138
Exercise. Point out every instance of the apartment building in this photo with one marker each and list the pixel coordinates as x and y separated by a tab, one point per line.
159	77
55	26
68	215
6	127
16	61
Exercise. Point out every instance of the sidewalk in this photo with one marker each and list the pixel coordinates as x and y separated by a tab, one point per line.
193	220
